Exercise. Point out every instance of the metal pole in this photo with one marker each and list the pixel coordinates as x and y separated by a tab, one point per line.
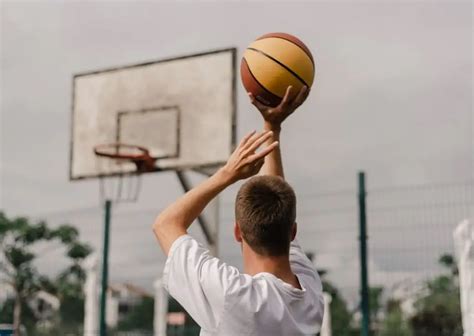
364	281
105	267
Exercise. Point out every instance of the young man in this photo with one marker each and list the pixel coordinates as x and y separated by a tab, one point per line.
279	292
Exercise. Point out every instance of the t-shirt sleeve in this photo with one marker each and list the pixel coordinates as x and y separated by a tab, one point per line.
198	281
300	263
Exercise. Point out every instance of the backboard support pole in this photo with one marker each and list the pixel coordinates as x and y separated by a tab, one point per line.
186	184
105	268
364	280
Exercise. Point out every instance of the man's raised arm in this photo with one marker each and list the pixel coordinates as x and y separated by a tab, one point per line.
175	220
273	118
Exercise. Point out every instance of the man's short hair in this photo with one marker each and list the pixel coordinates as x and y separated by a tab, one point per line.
265	209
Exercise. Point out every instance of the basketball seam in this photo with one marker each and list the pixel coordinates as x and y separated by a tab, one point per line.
281	64
292	42
256	80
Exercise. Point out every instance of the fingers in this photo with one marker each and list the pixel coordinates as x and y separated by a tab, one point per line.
256	103
286	99
264	152
252	139
257	141
246	138
301	97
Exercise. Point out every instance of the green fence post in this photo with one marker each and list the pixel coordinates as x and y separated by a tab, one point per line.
364	281
105	267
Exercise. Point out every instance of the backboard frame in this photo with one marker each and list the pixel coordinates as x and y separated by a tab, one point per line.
197	168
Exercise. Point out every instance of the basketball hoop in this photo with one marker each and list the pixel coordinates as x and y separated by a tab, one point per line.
139	155
123	186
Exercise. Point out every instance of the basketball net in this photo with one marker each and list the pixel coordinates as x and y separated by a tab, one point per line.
124	185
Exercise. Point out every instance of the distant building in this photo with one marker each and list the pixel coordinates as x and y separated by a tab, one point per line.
121	298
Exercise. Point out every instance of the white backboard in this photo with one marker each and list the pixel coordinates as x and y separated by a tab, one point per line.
182	108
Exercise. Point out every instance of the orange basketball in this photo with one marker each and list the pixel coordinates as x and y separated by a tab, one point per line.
272	63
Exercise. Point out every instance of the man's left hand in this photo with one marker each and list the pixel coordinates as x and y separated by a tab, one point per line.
245	161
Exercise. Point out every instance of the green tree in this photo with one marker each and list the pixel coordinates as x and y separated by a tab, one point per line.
394	323
375	303
448	261
18	239
6	313
340	315
438	312
140	317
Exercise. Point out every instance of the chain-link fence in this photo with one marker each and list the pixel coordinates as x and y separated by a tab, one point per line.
411	271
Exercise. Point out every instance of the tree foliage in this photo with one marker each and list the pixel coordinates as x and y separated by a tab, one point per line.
375	302
340	315
439	312
395	324
140	317
19	238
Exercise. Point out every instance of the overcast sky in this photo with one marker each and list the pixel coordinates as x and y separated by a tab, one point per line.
393	97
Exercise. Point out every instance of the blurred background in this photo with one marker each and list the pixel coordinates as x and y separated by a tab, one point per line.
392	98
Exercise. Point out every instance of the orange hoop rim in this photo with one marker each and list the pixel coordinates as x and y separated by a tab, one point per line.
143	160
102	150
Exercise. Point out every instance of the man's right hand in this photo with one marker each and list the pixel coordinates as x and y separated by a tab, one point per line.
274	116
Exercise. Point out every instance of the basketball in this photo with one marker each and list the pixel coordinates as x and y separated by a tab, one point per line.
272	63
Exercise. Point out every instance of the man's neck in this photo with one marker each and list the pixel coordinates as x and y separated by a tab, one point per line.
279	266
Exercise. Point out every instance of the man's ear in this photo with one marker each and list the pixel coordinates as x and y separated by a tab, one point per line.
294	229
237	233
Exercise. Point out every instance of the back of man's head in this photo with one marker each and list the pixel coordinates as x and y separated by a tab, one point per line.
265	209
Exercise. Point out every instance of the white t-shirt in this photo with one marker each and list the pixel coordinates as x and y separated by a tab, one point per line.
225	302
